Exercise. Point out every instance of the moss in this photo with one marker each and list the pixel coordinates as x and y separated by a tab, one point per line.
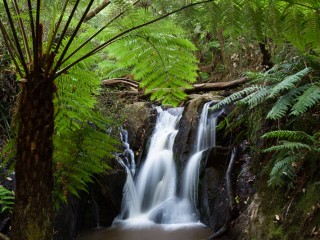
298	209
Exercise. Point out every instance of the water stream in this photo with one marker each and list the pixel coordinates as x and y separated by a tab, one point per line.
151	206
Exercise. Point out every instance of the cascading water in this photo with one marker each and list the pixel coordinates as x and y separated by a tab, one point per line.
150	195
206	139
148	198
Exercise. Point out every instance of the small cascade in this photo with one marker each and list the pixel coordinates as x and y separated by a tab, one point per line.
150	194
206	139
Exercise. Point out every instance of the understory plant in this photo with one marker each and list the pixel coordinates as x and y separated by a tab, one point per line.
6	199
281	97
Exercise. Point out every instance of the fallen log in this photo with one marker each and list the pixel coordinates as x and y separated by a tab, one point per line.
203	87
199	87
117	81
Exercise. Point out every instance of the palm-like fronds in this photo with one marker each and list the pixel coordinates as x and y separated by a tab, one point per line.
163	62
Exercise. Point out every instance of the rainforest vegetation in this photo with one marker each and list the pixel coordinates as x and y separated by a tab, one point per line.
56	55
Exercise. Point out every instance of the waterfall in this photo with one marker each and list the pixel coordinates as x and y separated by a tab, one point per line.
150	194
206	139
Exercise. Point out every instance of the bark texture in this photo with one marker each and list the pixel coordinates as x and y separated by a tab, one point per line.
33	212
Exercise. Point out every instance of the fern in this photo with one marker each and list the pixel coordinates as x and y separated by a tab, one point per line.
256	98
81	143
288	146
285	102
236	96
163	62
308	99
289	82
290	135
6	199
283	171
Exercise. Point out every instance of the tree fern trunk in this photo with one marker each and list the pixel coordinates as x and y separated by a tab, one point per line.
33	212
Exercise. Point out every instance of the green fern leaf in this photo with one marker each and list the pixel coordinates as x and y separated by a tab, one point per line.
282	172
6	199
290	135
163	62
256	98
288	83
288	146
284	103
308	99
236	96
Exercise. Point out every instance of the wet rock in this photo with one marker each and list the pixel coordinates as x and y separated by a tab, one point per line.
214	205
140	120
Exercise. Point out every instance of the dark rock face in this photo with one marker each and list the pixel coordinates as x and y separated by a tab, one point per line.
212	192
97	208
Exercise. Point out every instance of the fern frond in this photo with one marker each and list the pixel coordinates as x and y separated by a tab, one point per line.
236	96
256	98
285	102
6	199
288	146
290	135
282	171
163	62
289	82
308	99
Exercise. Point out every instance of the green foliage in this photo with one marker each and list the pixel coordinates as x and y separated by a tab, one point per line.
309	98
158	56
293	149
6	199
283	171
81	142
281	95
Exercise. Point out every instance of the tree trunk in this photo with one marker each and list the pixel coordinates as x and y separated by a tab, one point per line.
33	210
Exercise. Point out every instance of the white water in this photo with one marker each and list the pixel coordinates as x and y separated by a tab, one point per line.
150	196
206	139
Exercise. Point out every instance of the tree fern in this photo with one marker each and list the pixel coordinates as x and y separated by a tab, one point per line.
163	62
308	99
81	142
